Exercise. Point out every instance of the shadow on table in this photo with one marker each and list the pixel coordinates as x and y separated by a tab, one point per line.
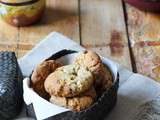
52	16
125	108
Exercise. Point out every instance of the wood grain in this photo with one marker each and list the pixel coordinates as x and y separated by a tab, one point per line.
103	29
60	15
96	24
8	37
144	34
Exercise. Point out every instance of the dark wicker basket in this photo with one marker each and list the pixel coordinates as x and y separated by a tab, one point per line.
97	111
11	89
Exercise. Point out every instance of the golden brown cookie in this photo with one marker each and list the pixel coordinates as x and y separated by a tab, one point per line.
77	103
93	62
39	75
69	81
107	81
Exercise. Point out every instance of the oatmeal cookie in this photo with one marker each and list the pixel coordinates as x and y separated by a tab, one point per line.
91	60
108	78
69	81
40	74
106	81
77	103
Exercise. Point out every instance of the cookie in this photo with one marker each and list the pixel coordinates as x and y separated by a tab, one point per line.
93	62
77	103
39	75
69	81
106	81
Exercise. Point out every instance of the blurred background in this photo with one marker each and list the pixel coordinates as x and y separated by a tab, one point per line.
126	32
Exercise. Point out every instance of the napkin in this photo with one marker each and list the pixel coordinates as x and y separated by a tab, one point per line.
135	90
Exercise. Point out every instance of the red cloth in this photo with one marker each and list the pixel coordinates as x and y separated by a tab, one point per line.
145	5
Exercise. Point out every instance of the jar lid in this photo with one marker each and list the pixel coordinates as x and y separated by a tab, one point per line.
18	2
15	1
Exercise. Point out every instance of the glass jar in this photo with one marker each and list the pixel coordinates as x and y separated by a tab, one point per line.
21	12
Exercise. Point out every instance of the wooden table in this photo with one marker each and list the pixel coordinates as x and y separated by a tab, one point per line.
110	27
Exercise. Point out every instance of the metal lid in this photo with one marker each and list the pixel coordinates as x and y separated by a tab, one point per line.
18	2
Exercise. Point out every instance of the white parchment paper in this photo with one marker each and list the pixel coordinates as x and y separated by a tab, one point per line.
134	89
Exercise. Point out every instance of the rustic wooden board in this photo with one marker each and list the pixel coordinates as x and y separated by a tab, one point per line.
99	27
8	37
60	16
103	29
144	34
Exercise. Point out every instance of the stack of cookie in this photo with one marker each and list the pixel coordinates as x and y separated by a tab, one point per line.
75	86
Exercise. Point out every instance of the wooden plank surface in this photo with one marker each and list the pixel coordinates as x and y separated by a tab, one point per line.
144	34
96	24
60	16
8	37
103	29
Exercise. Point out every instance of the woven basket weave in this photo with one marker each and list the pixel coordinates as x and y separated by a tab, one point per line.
11	91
